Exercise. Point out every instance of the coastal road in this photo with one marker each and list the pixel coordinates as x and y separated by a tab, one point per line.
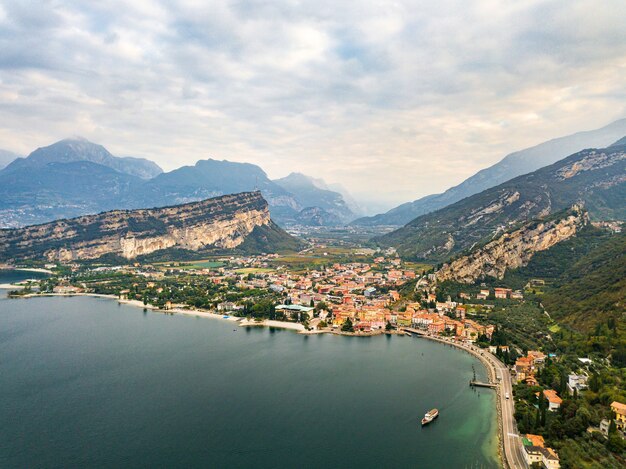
514	459
510	437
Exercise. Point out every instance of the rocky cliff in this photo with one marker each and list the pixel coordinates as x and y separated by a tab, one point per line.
514	249
222	222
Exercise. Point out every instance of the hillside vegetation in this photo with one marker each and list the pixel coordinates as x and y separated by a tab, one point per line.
594	177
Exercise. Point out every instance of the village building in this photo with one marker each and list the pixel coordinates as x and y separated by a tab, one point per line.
554	401
620	414
576	383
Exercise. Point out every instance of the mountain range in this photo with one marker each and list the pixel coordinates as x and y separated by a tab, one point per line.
75	177
595	178
511	166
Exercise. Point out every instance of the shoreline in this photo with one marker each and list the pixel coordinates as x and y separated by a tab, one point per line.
492	373
28	269
484	356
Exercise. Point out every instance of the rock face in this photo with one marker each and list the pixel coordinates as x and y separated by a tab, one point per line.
513	250
221	222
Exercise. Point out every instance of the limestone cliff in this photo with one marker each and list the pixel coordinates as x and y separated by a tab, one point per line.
513	249
221	222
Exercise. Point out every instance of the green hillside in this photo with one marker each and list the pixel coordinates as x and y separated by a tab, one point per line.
593	289
594	177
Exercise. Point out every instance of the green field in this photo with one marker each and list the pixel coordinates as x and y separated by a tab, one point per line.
192	265
254	270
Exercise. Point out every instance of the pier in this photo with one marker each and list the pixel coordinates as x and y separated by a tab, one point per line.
480	384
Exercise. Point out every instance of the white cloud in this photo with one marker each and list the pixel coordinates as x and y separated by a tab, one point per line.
394	99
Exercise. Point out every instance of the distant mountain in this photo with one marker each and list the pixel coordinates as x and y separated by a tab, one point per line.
222	223
352	204
512	165
595	178
39	194
211	178
316	216
7	157
74	150
331	208
75	177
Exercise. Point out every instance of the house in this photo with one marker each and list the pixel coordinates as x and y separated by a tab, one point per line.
576	382
502	293
532	454
536	453
517	295
620	414
288	309
66	289
550	459
604	426
436	327
538	358
524	367
554	401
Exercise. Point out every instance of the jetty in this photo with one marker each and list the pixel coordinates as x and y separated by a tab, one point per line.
480	384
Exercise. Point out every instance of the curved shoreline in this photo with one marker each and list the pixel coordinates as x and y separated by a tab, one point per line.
492	373
485	357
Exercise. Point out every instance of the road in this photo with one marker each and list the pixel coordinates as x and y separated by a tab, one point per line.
514	459
510	438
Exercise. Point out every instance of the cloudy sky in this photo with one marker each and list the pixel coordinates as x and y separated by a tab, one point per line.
394	99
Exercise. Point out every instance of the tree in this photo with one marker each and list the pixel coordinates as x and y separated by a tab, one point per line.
594	382
388	327
347	326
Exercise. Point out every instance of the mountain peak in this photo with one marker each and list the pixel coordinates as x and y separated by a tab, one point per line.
74	149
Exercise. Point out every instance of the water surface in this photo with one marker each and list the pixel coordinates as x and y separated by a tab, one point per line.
88	382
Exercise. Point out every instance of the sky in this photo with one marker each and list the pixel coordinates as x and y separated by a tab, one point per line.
393	99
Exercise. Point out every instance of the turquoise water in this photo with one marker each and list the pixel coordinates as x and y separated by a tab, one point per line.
88	382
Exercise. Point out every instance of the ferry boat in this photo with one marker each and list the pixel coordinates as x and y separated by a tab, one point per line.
430	416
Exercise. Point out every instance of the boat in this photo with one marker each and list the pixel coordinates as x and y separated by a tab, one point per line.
430	416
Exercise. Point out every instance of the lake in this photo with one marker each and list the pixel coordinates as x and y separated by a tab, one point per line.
89	382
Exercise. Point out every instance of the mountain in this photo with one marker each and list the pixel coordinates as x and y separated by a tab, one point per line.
584	275
74	150
210	178
515	248
512	165
221	223
39	194
595	178
7	157
331	208
352	204
593	288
